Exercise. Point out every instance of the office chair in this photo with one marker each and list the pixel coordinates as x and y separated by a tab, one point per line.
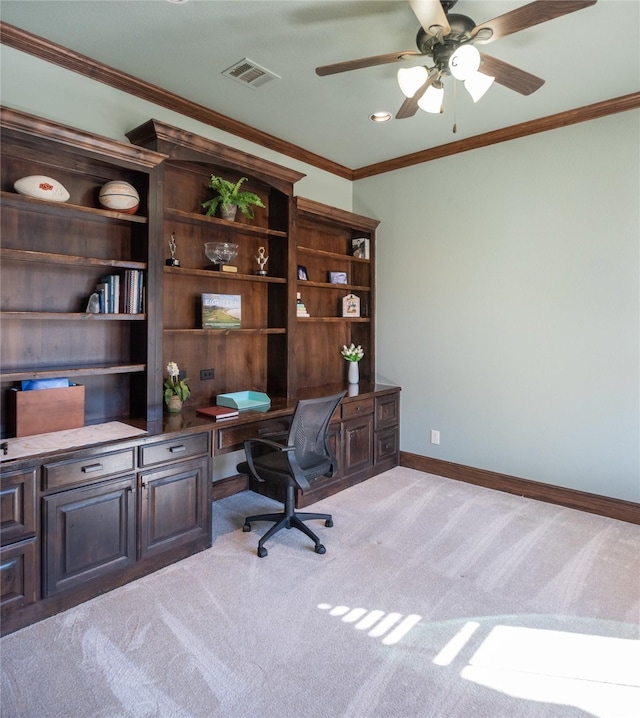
306	456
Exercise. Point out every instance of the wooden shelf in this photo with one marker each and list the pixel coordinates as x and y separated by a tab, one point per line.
334	319
30	204
224	275
235	227
22	255
275	330
329	285
331	255
74	316
75	371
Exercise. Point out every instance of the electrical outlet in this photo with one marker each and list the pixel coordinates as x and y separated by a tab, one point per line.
435	436
206	374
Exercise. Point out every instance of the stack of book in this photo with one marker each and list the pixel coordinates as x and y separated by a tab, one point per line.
124	294
301	310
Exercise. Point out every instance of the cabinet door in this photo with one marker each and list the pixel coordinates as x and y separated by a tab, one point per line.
357	443
17	505
174	506
17	575
89	532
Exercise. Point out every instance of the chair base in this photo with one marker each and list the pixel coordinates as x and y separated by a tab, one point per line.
288	519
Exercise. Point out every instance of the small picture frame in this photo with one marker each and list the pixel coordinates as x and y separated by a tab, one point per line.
338	277
351	306
302	273
360	247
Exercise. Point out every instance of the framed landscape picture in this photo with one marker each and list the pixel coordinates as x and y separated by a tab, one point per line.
221	311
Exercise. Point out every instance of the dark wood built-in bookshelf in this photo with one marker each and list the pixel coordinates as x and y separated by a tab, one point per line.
149	495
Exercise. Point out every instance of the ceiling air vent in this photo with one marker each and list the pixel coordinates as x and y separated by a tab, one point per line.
250	73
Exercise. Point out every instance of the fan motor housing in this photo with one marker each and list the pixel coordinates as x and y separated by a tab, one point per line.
461	29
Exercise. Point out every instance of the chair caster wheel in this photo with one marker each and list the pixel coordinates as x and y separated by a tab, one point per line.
246	528
320	548
328	523
262	551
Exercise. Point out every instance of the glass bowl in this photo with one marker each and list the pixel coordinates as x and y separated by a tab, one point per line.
221	252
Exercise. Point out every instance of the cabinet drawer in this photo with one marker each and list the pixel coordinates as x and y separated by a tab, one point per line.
352	409
182	447
386	445
233	437
17	505
87	469
387	411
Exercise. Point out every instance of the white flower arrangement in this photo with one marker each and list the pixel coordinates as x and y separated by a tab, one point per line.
174	385
352	353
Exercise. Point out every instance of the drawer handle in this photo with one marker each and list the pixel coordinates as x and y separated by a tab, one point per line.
178	449
92	468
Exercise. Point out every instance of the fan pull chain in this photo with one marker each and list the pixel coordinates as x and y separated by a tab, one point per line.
455	95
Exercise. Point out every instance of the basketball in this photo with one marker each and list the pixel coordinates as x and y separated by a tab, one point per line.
120	197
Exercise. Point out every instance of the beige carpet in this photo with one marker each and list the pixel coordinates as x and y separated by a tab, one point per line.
434	599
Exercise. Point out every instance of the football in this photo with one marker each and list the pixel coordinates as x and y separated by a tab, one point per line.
120	197
41	187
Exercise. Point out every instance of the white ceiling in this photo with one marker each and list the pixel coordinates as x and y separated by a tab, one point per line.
585	57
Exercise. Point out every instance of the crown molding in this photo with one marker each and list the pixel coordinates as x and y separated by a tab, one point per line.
524	129
63	57
83	65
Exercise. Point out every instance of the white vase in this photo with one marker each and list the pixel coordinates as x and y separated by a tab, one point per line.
354	372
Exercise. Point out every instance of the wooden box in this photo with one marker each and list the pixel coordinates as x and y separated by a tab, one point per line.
43	410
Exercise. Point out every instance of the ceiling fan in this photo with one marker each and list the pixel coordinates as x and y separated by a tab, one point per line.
449	40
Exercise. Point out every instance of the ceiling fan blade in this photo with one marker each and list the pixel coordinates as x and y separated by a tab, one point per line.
528	15
365	62
431	16
509	76
410	106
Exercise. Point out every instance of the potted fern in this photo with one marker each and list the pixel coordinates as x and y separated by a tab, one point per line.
230	198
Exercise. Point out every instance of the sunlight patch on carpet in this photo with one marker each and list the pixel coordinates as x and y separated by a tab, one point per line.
594	673
391	627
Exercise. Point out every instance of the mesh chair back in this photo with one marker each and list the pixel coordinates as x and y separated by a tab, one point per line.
308	431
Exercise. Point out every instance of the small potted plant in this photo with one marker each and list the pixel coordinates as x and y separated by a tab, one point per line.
353	354
230	198
176	390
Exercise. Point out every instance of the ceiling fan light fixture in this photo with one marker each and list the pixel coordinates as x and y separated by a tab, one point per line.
431	101
478	84
464	62
411	79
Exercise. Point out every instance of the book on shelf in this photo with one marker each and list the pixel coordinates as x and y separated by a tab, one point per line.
112	293
218	412
301	310
121	294
221	311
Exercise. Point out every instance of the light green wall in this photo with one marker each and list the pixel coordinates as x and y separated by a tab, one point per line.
508	284
508	304
44	89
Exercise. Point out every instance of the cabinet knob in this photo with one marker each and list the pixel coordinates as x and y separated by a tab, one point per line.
178	449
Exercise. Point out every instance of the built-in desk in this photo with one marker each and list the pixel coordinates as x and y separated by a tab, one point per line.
148	492
364	433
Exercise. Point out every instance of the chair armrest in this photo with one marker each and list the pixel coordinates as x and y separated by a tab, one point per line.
297	472
248	451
